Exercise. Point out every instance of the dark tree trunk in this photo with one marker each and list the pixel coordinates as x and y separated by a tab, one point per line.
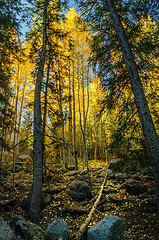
34	210
149	130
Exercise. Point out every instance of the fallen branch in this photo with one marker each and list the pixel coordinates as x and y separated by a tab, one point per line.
84	226
6	202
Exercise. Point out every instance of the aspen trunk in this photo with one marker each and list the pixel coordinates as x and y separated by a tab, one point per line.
20	115
15	133
74	119
70	150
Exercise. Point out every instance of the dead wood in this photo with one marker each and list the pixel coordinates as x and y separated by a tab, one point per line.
75	210
6	202
84	226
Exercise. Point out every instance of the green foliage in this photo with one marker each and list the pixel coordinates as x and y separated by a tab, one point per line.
142	33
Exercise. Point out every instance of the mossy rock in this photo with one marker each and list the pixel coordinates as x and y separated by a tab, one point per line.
28	230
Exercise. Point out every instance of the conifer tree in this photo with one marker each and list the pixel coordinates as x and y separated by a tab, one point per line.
106	17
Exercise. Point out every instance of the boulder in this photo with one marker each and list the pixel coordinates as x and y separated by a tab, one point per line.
28	151
121	176
28	230
116	164
110	173
58	229
134	187
151	191
24	158
85	171
45	200
6	232
102	173
72	173
84	178
23	161
110	228
79	190
51	189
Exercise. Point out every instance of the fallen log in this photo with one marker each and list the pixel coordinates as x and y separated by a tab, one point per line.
84	226
6	202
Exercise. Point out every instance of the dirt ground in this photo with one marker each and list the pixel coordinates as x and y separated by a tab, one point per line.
138	212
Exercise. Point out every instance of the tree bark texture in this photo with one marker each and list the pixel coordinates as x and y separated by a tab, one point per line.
45	119
149	130
74	118
34	210
62	115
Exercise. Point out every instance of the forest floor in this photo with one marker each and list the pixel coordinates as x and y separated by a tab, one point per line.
138	212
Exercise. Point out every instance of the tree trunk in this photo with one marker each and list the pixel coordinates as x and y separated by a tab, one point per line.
70	150
84	118
62	115
44	120
74	119
15	131
34	210
149	130
20	114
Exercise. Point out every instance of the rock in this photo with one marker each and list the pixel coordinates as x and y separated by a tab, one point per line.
72	173
121	176
28	230
102	173
110	173
58	229
115	164
24	158
53	189
85	171
28	151
110	228
100	180
79	190
84	178
23	161
45	199
133	187
6	232
151	191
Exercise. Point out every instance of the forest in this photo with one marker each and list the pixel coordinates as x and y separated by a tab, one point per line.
79	119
